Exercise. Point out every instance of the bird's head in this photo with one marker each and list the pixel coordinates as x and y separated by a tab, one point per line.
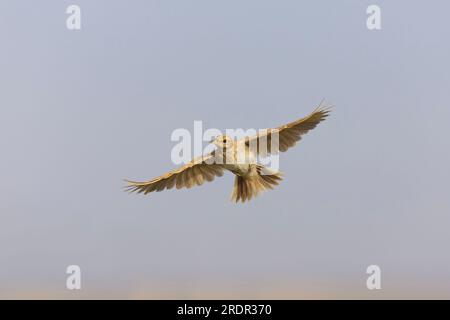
223	142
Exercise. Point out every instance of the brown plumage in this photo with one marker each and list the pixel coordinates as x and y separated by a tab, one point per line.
246	188
194	173
251	178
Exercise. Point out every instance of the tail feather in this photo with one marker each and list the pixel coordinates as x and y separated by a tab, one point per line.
246	188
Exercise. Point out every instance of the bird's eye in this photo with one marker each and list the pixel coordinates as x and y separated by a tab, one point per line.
224	140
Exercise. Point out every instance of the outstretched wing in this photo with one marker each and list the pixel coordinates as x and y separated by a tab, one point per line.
288	134
194	173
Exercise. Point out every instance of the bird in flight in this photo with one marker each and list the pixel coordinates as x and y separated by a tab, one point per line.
240	158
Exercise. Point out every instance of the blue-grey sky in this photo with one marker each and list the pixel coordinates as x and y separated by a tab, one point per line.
81	110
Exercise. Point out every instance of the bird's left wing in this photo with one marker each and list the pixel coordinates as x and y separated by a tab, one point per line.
288	135
194	173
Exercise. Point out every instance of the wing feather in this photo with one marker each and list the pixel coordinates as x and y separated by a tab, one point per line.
194	173
288	134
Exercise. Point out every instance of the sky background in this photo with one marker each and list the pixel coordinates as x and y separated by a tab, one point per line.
82	110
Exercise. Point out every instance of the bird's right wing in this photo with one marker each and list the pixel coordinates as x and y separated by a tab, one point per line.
194	173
